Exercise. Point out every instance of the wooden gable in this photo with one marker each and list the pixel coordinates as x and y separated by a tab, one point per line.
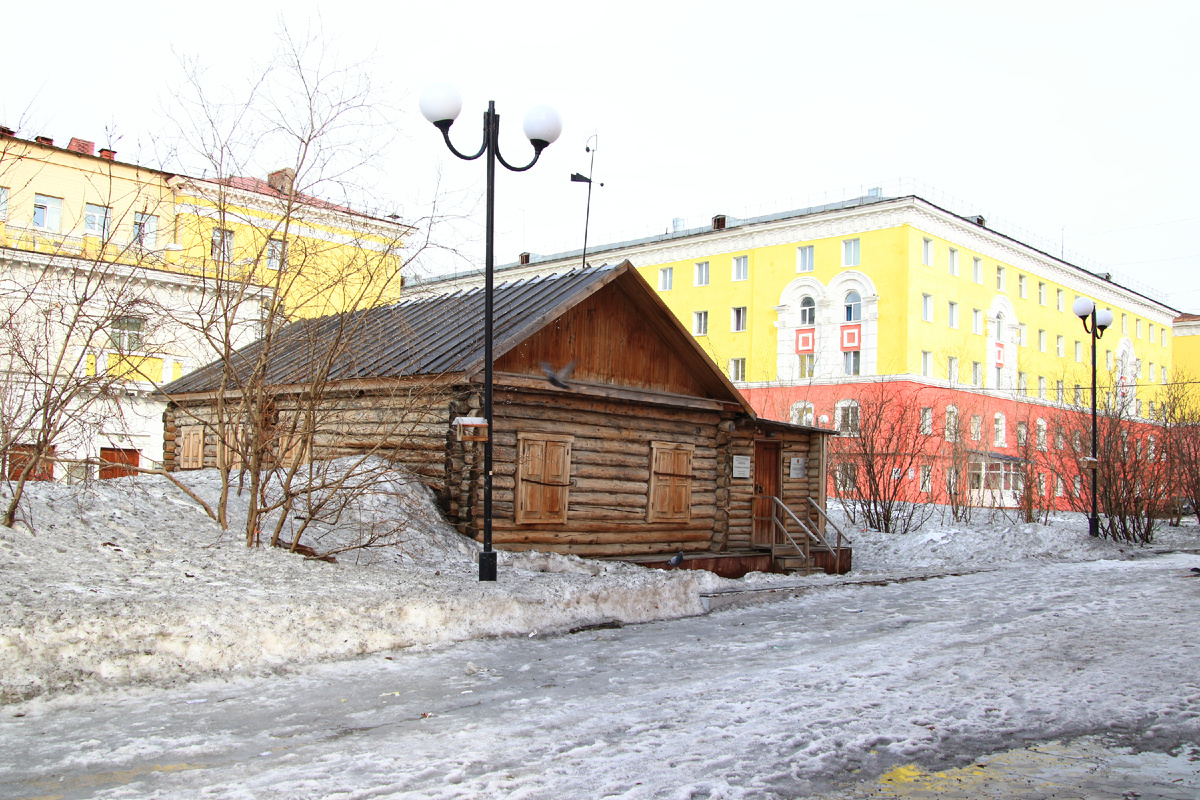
620	336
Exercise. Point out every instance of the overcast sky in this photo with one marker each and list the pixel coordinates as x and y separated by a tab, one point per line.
1075	122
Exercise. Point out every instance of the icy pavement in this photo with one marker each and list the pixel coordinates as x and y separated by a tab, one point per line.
772	701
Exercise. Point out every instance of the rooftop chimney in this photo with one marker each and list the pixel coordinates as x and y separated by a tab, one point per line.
719	222
523	259
82	146
281	180
106	153
46	140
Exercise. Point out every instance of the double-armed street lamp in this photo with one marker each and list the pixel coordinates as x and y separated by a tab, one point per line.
1100	320
441	104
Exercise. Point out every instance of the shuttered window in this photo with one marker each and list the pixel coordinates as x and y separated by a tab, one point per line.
190	447
543	477
670	482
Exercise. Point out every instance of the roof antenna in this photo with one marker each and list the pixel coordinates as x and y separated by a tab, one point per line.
590	147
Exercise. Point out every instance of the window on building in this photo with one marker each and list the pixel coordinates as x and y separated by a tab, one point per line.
952	314
1059	300
927	421
1022	433
847	421
1041	293
666	278
1023	287
805	261
1022	382
1059	392
741	268
853	306
1164	375
47	212
1137	328
998	430
700	323
926	479
976	373
808	311
1000	284
1150	332
1079	351
125	334
951	430
808	365
977	321
1150	372
852	362
953	262
701	274
1060	346
845	479
927	307
737	321
3	202
927	252
1108	360
1040	427
737	369
96	220
977	270
543	477
1042	386
1022	334
1078	395
926	364
850	253
145	230
976	427
277	256
670	482
222	245
952	369
801	413
1124	325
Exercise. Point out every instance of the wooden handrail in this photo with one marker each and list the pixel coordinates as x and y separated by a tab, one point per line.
813	535
837	558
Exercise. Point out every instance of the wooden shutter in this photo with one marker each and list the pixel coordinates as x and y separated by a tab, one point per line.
190	447
543	477
670	482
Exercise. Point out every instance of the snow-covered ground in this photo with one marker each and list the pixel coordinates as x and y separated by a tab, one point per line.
128	582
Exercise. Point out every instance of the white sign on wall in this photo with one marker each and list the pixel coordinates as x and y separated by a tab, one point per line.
799	468
741	466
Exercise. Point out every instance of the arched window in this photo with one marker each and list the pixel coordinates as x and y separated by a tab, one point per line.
998	430
801	413
847	417
853	307
808	311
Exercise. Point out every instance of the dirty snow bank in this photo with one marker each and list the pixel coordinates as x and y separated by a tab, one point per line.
128	581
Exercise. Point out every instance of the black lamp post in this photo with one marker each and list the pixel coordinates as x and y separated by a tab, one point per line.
441	104
1087	312
578	178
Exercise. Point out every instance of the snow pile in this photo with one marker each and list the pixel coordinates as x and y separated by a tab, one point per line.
129	581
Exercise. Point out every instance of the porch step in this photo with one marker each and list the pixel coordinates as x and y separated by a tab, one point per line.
795	563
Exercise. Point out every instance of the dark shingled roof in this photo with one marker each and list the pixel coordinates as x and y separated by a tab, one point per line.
426	335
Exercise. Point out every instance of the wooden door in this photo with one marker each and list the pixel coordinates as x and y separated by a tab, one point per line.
116	463
766	485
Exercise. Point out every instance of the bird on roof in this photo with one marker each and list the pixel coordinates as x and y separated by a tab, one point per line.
676	559
558	377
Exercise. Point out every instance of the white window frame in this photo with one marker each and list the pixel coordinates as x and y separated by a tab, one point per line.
952	369
145	230
977	270
700	275
1079	351
1023	287
666	278
927	307
927	420
845	422
927	252
738	316
741	268
276	254
1060	346
1041	340
3	202
805	258
1041	293
700	323
926	364
1060	300
852	362
977	373
952	315
221	247
51	208
1001	279
737	369
97	220
851	252
1022	334
954	262
1042	386
977	321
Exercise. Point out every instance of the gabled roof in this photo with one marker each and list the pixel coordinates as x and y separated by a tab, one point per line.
437	334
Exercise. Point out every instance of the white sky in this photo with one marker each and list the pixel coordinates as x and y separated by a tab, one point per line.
1074	121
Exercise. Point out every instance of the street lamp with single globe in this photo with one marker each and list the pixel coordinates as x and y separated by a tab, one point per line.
441	104
1100	319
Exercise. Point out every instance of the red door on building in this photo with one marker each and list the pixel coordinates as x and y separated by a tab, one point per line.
766	486
116	463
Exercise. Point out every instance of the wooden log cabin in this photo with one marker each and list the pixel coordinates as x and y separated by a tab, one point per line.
650	450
